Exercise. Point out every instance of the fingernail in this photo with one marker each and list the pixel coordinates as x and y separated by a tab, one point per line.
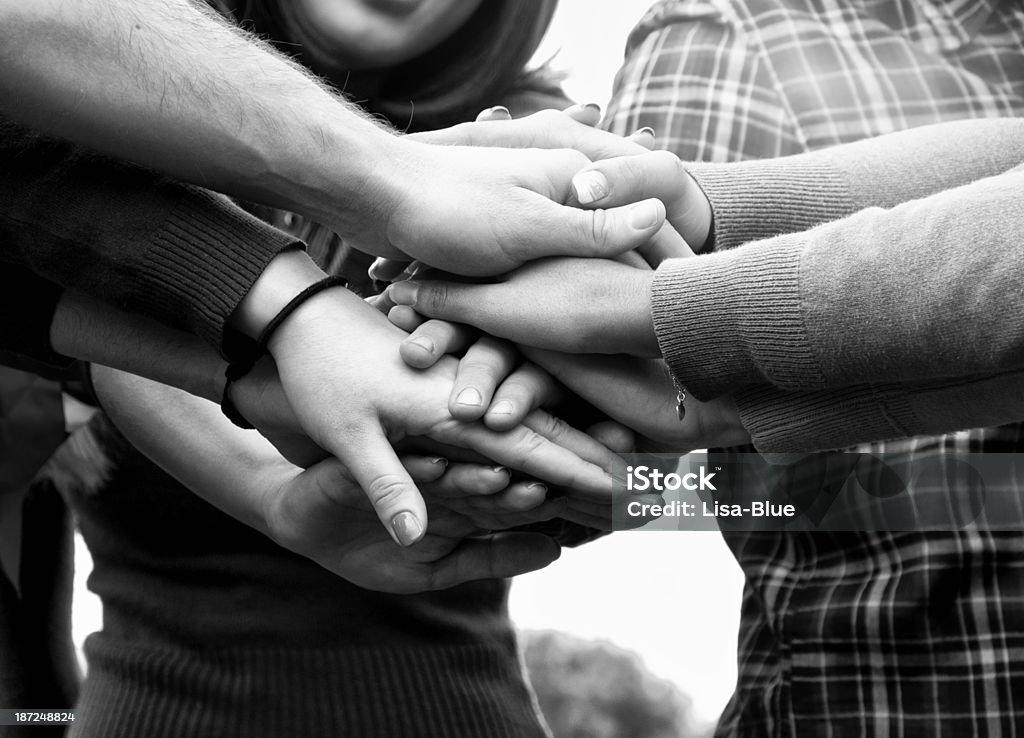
407	528
501	470
646	130
645	215
502	408
469	396
438	460
590	186
404	293
500	109
537	487
592	106
424	343
375	268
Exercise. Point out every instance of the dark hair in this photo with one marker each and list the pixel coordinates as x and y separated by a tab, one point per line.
483	63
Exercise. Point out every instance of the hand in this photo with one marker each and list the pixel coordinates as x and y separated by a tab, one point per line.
657	174
488	498
484	211
492	382
572	128
640	394
348	387
564	304
322	514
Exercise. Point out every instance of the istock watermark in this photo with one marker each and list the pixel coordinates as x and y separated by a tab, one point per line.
643	478
826	491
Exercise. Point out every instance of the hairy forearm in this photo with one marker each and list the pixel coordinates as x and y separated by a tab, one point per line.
170	85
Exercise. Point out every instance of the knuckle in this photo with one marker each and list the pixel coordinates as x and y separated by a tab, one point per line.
387	491
667	159
596	225
549	117
438	298
532	443
478	368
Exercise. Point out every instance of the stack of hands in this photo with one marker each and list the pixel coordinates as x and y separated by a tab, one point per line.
436	406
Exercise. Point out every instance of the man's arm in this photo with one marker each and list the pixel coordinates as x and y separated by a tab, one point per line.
169	85
172	85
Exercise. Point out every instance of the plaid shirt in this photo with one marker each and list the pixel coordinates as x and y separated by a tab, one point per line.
851	634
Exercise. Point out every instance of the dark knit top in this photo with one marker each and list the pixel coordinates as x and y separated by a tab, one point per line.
210	629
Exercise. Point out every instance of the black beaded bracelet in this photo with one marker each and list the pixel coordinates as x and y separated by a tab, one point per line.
242	366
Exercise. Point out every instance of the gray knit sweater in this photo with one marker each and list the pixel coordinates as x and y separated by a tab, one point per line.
859	293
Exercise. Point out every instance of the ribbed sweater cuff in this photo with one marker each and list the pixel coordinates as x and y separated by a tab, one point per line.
781	421
759	199
726	321
203	262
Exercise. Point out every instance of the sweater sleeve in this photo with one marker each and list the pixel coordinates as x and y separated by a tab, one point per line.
785	421
179	254
926	290
754	200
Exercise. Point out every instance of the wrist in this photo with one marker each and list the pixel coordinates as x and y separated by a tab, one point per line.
286	276
699	216
643	336
349	182
333	313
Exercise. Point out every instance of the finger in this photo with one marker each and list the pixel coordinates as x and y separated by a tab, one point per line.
666	244
385	270
589	114
374	465
634	259
523	391
561	230
380	303
528	451
494	557
615	436
433	339
498	112
446	301
514	498
297	449
626	179
470	480
644	137
405	317
655	174
425	470
485	364
582	445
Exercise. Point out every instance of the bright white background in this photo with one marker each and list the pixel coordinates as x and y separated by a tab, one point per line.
671	597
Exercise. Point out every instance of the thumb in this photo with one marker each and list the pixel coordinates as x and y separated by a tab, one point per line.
561	230
375	466
660	174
